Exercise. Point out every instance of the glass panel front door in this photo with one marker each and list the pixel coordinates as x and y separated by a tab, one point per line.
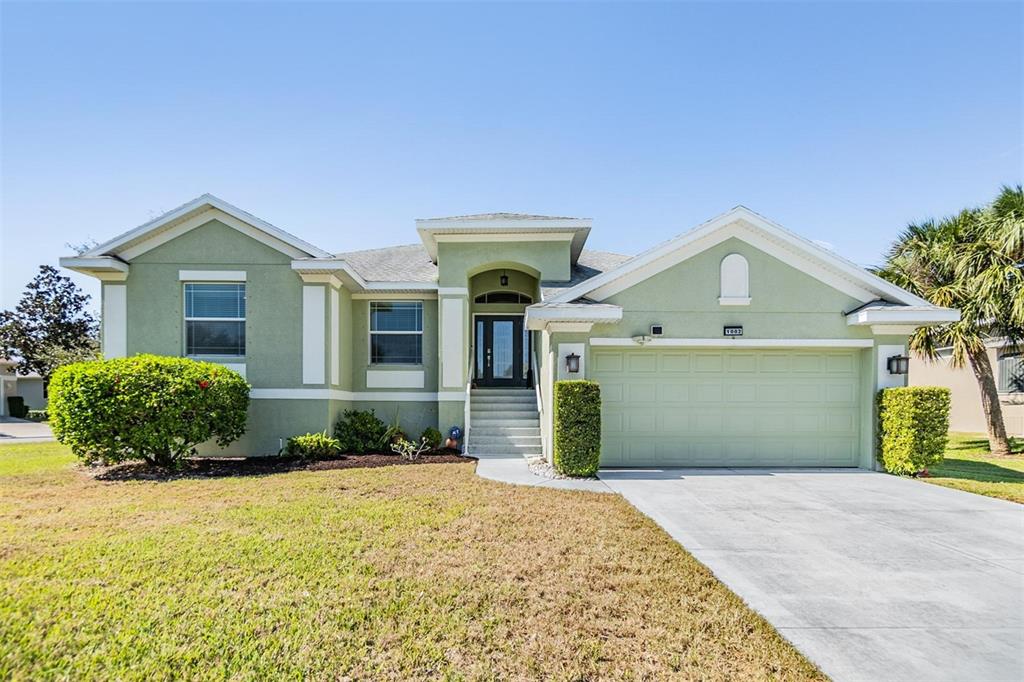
501	351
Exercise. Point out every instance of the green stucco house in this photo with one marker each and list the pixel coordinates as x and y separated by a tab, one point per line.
737	343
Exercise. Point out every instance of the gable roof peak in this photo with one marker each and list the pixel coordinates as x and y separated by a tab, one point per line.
277	238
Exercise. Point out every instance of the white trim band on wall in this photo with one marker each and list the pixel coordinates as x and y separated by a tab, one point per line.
211	275
736	343
362	396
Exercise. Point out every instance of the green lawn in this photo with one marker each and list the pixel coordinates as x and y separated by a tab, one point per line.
968	466
414	572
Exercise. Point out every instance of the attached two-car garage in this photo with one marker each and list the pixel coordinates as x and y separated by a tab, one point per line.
730	407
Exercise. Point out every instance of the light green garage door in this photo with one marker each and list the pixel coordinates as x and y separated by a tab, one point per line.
728	408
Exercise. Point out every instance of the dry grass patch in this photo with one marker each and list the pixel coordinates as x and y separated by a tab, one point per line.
392	573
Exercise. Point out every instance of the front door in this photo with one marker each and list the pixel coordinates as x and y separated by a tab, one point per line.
502	351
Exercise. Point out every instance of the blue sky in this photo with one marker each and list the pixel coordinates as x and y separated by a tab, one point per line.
344	122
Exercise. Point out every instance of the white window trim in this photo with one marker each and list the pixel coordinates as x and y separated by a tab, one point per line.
184	308
370	332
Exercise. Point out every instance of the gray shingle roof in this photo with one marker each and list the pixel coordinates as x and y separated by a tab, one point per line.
406	263
410	263
590	264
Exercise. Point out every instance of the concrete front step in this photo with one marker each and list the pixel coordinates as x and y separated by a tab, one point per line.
491	411
505	432
491	423
529	402
498	444
502	393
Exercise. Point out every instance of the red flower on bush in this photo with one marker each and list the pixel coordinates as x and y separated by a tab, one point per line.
204	384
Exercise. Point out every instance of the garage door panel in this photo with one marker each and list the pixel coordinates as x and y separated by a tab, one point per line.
675	362
642	363
673	393
607	362
707	362
729	408
612	392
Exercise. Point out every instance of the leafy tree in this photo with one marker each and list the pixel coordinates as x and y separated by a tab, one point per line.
970	261
50	325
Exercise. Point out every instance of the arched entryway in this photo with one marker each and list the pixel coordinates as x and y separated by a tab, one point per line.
502	346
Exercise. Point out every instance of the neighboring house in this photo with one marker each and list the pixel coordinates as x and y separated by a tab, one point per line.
966	413
28	386
737	343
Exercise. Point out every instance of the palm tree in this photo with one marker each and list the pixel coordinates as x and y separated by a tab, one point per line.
971	261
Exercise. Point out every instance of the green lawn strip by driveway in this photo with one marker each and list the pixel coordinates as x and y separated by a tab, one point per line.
969	466
414	572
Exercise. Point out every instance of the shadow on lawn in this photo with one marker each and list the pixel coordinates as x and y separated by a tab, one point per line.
262	466
973	470
979	446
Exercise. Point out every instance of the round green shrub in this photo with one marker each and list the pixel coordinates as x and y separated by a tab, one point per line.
313	446
431	437
913	426
361	431
146	407
577	427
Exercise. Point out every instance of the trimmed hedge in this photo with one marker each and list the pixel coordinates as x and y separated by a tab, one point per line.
577	427
313	446
913	424
146	407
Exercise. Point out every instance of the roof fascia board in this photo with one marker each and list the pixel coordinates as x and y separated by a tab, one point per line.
203	218
433	224
280	238
731	343
498	231
539	316
859	278
894	315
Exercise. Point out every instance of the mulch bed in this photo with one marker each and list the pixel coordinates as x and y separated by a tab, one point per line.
262	466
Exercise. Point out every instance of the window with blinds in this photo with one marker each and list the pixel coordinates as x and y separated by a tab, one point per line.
1011	373
215	319
396	332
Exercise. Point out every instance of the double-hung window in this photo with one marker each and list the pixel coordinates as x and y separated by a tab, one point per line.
215	319
396	332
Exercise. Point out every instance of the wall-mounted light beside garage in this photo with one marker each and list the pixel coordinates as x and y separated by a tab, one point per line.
898	364
572	363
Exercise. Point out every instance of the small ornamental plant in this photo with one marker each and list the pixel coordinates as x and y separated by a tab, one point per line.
313	446
149	407
913	423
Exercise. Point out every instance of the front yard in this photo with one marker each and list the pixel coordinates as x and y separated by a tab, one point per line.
394	573
969	466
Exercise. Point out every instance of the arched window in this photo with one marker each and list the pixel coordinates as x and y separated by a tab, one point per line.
503	297
735	281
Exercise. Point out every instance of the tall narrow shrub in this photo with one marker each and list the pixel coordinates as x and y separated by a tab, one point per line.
577	427
913	427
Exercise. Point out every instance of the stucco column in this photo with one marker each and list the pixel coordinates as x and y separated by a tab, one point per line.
453	355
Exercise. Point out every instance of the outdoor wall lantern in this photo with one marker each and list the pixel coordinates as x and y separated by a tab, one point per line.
503	279
572	363
898	364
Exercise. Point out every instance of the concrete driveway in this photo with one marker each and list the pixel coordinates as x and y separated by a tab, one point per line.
23	431
873	577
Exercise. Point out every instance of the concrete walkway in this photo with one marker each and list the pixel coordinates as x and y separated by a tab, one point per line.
514	469
871	576
23	431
